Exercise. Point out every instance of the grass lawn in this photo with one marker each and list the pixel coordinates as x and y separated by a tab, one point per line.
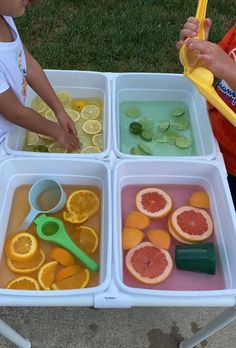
111	35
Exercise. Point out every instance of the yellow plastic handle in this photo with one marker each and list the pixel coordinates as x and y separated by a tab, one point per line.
201	15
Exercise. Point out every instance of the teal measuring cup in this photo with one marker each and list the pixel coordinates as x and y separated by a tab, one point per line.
52	229
45	196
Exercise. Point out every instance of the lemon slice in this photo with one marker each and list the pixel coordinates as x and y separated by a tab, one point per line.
92	127
32	138
97	140
38	105
45	137
78	104
74	115
90	149
90	112
55	147
65	98
49	115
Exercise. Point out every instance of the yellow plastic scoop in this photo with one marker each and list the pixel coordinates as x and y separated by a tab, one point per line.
201	77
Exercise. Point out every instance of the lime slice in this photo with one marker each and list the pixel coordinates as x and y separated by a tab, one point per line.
90	112
91	149
147	123
65	98
183	142
177	112
136	151
92	127
179	123
49	115
97	140
38	105
159	138
171	136
55	147
147	135
40	148
146	149
163	125
74	115
135	128
31	138
133	111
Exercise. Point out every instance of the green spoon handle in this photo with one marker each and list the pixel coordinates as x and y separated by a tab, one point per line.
80	254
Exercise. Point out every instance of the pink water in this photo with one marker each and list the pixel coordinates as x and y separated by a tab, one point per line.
178	280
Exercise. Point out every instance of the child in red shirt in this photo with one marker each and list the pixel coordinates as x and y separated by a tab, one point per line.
221	60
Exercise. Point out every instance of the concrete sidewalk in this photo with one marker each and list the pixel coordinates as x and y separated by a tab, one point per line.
72	327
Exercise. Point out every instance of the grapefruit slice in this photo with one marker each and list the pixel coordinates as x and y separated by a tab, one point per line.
192	224
153	202
149	263
175	235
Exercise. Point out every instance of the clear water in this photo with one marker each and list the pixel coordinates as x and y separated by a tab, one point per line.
178	280
157	111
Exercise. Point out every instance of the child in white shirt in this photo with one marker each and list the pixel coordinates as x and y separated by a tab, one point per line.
17	69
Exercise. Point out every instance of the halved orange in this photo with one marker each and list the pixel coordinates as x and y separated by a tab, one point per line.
23	283
77	281
131	237
86	238
83	202
46	274
67	272
27	267
74	218
22	246
159	237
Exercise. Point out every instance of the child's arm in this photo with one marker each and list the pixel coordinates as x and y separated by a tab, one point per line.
38	81
12	109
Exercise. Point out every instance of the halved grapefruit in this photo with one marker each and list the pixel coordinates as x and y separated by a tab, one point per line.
192	224
149	263
153	202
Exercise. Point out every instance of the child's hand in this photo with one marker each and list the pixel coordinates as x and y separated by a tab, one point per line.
66	122
66	139
191	28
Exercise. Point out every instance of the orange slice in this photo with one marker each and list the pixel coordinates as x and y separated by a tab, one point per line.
46	274
22	246
67	272
131	237
138	220
86	238
159	237
74	218
83	202
77	281
27	267
78	104
199	199
62	256
23	283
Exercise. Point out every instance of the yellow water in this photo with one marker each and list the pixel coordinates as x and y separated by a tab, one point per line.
20	208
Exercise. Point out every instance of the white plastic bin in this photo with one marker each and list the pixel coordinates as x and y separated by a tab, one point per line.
80	84
15	172
146	87
211	177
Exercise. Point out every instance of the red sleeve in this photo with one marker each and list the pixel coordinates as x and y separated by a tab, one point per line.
227	40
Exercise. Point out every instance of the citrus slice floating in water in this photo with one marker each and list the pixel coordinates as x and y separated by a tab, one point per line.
22	246
56	148
159	237
32	138
67	272
39	105
92	127
27	267
78	104
97	140
74	218
49	115
90	112
153	202
90	149
149	263
177	112
199	199
138	220
86	238
192	224
23	283
46	275
133	111
131	237
77	281
74	115
83	202
65	98
183	142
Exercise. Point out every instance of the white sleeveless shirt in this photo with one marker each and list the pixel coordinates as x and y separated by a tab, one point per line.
13	70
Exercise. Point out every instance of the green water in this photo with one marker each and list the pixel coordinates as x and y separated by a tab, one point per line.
157	112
